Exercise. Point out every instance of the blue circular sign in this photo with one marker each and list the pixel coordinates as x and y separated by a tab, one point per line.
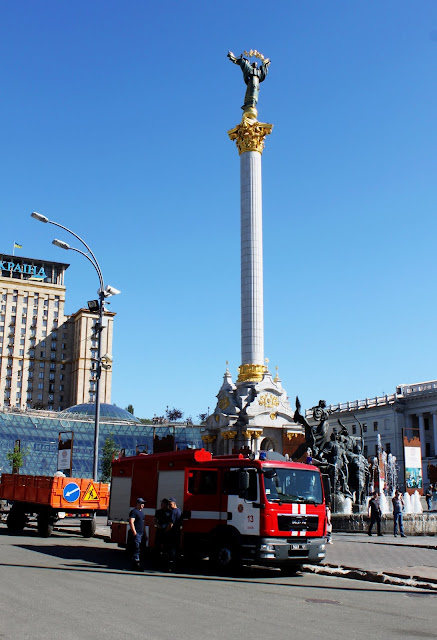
71	492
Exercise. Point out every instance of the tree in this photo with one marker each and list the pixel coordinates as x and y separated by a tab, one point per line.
108	451
130	408
173	414
16	458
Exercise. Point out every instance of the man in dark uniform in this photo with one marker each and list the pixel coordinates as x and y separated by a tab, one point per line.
136	524
162	523
173	534
375	514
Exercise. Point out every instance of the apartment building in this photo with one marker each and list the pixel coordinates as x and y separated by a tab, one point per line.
48	359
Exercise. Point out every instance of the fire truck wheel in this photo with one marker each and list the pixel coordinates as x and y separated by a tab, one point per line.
88	528
290	569
16	520
225	555
45	526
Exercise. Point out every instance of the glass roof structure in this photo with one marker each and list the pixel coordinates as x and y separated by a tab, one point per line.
38	432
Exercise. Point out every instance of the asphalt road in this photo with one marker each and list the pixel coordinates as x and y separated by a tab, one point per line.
72	588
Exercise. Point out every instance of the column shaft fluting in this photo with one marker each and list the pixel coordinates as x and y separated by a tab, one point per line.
252	313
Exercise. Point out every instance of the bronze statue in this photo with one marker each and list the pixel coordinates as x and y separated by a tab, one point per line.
252	75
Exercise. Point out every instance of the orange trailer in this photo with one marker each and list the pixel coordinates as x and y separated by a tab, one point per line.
51	499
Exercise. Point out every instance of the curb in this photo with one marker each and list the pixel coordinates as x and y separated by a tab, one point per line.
353	573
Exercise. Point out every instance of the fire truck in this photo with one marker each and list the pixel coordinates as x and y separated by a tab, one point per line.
235	509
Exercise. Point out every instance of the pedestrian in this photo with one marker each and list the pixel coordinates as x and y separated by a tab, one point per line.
173	532
428	496
398	507
162	523
328	524
136	524
375	514
434	496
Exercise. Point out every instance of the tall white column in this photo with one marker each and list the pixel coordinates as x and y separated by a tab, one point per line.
252	317
249	136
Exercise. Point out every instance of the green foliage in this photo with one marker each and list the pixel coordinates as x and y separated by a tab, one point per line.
16	458
130	408
173	414
108	451
146	421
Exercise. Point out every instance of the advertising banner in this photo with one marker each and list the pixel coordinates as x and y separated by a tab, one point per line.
412	460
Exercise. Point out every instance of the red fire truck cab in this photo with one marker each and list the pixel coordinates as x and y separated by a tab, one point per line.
256	511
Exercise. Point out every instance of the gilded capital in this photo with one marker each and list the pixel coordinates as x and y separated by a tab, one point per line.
250	135
251	372
228	435
207	439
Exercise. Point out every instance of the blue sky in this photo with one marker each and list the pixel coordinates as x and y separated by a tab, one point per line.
115	119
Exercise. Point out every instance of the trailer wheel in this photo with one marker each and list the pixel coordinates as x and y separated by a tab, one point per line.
45	526
16	520
88	528
225	555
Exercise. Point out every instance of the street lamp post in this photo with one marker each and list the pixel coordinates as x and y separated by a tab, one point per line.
103	293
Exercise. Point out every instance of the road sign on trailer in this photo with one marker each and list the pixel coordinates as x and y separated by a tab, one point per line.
71	492
91	493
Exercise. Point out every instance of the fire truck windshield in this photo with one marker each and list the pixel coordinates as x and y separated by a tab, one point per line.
293	485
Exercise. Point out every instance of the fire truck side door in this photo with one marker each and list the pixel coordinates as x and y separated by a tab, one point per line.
241	511
203	499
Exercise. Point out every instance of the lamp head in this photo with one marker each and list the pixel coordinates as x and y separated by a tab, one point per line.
39	216
110	291
61	244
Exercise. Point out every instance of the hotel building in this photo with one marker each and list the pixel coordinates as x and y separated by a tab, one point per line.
48	359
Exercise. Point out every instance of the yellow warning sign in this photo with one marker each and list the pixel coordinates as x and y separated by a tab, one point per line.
91	493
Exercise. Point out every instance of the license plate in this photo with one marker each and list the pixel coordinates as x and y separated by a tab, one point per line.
296	547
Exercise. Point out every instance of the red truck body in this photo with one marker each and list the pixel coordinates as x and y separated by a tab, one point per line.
260	511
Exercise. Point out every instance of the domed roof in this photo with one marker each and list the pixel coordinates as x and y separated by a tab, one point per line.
107	412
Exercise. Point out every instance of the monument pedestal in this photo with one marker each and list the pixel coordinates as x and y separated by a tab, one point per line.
252	414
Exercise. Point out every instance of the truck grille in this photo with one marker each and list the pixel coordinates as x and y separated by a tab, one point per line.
298	523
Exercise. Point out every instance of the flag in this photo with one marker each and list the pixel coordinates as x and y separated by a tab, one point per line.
17	246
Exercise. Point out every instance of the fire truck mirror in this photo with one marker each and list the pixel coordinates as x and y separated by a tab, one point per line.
270	473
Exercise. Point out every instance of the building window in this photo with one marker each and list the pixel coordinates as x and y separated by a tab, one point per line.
426	422
388	448
61	377
39	396
31	353
61	398
41	374
376	450
52	366
52	376
61	388
21	352
428	449
43	354
40	385
354	428
41	365
375	426
46	303
43	343
62	367
53	356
